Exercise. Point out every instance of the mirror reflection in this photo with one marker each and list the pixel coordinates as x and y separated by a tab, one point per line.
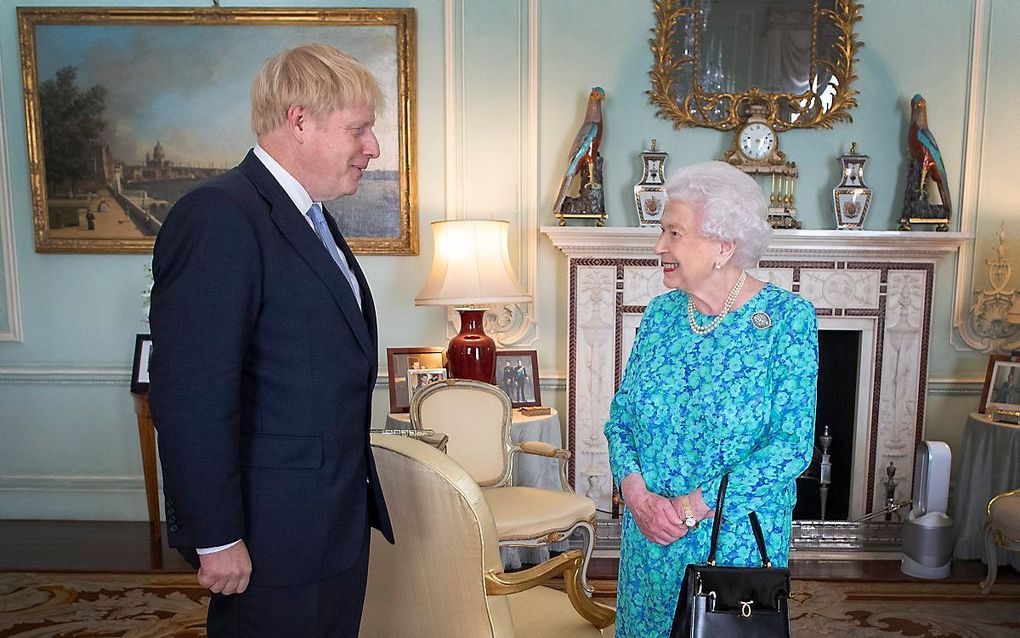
749	43
713	58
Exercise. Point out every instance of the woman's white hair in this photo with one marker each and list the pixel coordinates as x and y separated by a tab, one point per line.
733	205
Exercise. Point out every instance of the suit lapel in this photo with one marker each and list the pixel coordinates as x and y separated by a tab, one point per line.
293	226
367	303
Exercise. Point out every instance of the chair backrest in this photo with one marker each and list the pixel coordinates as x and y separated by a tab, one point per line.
476	416
431	582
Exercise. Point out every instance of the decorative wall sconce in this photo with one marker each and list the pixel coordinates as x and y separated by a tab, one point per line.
995	313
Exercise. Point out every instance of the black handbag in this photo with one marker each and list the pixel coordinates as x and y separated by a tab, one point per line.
745	602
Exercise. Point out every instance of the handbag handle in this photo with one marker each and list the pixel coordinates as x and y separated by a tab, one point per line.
718	517
759	538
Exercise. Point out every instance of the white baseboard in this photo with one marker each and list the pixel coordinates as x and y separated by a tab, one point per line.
74	497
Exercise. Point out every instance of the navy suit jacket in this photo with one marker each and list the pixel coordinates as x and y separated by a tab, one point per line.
261	382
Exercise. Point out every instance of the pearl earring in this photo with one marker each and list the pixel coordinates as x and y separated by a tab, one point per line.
718	266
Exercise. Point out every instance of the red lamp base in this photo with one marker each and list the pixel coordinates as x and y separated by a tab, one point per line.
472	353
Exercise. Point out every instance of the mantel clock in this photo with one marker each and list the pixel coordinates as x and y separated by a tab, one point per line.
755	150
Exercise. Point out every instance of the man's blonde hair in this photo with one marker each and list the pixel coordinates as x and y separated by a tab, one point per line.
319	77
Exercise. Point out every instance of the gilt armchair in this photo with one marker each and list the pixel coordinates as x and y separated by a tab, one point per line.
443	578
1002	529
477	418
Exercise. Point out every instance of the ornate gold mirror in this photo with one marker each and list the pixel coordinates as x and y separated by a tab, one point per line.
714	59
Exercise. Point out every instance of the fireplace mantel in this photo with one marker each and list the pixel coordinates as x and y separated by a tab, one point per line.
632	241
877	282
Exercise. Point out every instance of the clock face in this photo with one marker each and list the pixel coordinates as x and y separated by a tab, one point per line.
757	141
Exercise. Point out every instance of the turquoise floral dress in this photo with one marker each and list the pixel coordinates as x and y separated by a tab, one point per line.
690	408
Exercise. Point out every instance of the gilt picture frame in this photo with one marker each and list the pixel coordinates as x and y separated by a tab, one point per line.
400	361
116	134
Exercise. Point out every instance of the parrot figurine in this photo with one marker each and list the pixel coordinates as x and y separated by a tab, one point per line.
585	150
924	151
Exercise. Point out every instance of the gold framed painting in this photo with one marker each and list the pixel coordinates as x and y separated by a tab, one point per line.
128	109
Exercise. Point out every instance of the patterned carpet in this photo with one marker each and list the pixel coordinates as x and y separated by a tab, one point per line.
101	605
916	609
156	605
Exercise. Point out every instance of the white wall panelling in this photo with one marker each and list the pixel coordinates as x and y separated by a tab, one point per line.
967	276
495	173
10	330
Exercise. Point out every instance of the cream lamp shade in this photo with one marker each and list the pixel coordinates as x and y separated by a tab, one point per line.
470	265
471	268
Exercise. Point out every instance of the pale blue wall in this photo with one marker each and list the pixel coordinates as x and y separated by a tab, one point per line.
68	446
68	440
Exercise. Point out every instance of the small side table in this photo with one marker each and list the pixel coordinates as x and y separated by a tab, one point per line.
147	442
989	465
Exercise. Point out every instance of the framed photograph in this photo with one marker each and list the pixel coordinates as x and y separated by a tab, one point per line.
1001	390
117	132
140	364
517	375
399	361
418	378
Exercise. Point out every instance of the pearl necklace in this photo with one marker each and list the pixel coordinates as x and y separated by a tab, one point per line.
704	330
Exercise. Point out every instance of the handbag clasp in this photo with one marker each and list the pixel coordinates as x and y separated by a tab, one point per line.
745	608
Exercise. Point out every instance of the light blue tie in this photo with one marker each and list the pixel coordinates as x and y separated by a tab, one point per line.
322	230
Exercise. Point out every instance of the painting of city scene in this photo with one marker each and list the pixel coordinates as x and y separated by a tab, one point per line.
128	110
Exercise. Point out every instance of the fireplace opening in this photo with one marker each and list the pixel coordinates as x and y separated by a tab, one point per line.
838	363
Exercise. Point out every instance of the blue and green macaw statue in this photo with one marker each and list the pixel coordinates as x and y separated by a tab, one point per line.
585	149
924	151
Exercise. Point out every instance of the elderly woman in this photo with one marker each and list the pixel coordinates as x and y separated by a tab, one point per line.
721	379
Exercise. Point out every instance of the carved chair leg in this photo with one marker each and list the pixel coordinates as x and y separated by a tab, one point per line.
993	563
589	546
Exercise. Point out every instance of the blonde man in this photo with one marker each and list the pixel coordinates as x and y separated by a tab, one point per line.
261	382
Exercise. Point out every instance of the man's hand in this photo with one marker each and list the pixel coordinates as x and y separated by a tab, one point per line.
654	514
226	571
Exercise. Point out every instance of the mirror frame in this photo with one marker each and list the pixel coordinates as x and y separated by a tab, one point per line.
691	109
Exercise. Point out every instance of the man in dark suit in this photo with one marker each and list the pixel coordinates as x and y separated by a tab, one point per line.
261	382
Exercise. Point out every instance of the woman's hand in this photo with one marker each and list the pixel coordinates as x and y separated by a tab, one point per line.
655	515
699	509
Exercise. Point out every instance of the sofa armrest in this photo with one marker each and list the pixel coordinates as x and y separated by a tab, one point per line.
568	564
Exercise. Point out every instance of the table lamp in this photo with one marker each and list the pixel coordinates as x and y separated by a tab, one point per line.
471	268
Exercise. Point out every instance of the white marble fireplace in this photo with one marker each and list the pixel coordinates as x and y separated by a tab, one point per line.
877	283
